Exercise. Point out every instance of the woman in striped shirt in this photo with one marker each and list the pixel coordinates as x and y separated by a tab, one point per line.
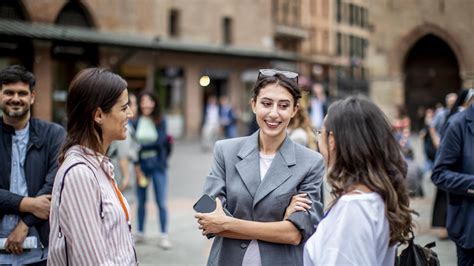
89	217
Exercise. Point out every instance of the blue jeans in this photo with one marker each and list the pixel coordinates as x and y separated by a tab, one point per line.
159	180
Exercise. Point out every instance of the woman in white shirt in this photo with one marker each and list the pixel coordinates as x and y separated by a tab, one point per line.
370	213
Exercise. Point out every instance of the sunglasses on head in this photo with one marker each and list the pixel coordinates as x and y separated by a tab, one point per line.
273	72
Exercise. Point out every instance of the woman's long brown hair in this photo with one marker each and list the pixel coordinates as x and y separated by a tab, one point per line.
367	153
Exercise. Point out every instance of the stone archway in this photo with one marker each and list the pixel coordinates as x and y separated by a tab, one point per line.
400	49
403	60
431	71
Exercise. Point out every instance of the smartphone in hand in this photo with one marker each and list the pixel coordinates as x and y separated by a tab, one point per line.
207	204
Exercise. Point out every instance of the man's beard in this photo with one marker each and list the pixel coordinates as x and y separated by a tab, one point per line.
16	114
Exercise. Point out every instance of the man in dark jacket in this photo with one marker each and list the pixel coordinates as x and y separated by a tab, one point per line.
454	173
28	163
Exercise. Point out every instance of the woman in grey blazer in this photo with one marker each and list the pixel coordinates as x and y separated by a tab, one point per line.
269	184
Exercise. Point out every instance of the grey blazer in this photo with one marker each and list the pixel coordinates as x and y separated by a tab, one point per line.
235	179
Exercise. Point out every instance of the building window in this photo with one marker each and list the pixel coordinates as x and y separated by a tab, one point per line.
363	21
227	30
351	14
173	23
357	16
338	10
345	12
339	44
351	46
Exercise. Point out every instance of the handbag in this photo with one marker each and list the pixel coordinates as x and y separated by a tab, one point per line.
417	255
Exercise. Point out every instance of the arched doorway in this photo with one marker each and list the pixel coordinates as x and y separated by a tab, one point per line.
431	71
70	57
14	50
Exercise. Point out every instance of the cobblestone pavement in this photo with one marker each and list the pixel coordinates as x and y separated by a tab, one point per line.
188	168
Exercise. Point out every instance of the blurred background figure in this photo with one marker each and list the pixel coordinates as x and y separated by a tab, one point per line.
151	134
414	177
441	113
124	155
211	124
318	105
430	139
401	127
300	130
227	118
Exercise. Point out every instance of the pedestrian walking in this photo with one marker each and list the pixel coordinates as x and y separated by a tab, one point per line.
227	118
90	218
454	173
211	124
370	214
269	184
151	134
318	105
28	164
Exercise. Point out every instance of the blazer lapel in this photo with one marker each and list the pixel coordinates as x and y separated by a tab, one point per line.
249	166
278	172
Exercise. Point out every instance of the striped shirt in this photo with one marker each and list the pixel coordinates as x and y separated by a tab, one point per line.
91	240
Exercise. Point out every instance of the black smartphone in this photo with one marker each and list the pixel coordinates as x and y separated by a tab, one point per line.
205	204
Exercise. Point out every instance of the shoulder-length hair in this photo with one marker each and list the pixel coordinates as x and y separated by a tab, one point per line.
91	88
367	153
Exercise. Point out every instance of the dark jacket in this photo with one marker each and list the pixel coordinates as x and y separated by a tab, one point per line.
162	146
454	173
41	164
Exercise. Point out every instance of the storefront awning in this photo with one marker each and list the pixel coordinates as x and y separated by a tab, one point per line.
52	32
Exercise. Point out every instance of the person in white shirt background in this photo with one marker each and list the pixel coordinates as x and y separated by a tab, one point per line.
370	214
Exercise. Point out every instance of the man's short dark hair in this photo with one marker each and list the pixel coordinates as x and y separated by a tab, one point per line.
16	73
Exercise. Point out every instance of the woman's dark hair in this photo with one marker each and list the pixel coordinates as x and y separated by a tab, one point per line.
278	79
367	153
92	88
156	113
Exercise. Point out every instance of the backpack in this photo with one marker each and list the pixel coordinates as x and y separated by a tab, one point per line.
416	255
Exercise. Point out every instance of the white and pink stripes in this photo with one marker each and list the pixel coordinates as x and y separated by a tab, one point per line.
91	240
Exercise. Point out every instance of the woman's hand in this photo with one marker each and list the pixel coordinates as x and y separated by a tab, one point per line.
298	203
213	222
